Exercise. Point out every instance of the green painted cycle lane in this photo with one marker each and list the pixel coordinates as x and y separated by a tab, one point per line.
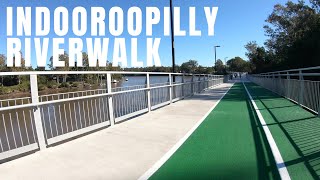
229	144
295	130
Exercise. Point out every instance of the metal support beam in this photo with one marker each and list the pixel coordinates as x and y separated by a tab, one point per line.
148	92
170	88
301	88
36	112
288	85
182	86
110	100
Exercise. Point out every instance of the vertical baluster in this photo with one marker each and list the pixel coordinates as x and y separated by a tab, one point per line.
5	131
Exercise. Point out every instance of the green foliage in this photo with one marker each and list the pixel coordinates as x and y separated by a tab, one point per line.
294	38
64	85
17	83
24	86
237	64
220	68
52	84
41	87
189	67
5	90
74	84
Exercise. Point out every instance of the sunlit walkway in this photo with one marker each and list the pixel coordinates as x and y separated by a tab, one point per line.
227	145
203	137
232	144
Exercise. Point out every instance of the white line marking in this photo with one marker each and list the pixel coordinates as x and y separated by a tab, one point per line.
284	174
164	158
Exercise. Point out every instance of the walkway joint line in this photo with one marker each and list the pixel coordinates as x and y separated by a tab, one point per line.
164	158
284	174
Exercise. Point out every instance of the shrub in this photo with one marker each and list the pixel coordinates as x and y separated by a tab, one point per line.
5	90
52	84
41	87
25	86
64	85
74	84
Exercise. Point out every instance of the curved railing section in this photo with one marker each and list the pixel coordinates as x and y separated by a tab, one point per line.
301	86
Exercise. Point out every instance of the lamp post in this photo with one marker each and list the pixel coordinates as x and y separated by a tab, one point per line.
215	55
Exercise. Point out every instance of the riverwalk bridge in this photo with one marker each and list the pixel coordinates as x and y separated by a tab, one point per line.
165	126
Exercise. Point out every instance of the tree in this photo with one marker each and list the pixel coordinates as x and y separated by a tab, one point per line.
189	67
294	34
3	66
260	59
62	57
219	67
294	38
237	64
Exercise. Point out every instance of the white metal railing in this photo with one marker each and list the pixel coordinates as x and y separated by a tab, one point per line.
299	85
36	122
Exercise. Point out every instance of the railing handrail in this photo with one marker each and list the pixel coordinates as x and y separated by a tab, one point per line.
291	70
98	72
90	96
22	98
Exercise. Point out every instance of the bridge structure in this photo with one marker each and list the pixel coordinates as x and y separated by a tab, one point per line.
262	126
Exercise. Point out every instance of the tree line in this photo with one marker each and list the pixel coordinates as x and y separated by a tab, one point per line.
9	84
293	31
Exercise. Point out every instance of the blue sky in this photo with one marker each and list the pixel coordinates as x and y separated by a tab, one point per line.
237	23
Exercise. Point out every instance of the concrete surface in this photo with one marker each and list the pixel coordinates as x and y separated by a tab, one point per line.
124	151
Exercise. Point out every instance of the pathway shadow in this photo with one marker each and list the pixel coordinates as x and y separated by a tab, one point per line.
300	127
266	163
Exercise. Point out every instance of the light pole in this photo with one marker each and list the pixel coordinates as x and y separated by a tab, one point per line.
215	55
172	40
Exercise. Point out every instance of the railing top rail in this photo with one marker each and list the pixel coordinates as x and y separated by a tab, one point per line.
12	99
291	70
92	96
295	74
96	72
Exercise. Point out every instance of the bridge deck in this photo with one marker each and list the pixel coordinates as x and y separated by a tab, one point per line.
227	145
124	151
230	142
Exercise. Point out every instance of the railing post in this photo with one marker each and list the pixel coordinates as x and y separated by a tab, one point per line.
288	85
182	86
199	82
273	83
170	88
110	100
36	112
148	92
279	84
192	85
301	87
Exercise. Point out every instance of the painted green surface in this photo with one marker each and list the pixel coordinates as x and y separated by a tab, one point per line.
227	145
295	130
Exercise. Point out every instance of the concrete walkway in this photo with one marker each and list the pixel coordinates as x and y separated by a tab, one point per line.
124	151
